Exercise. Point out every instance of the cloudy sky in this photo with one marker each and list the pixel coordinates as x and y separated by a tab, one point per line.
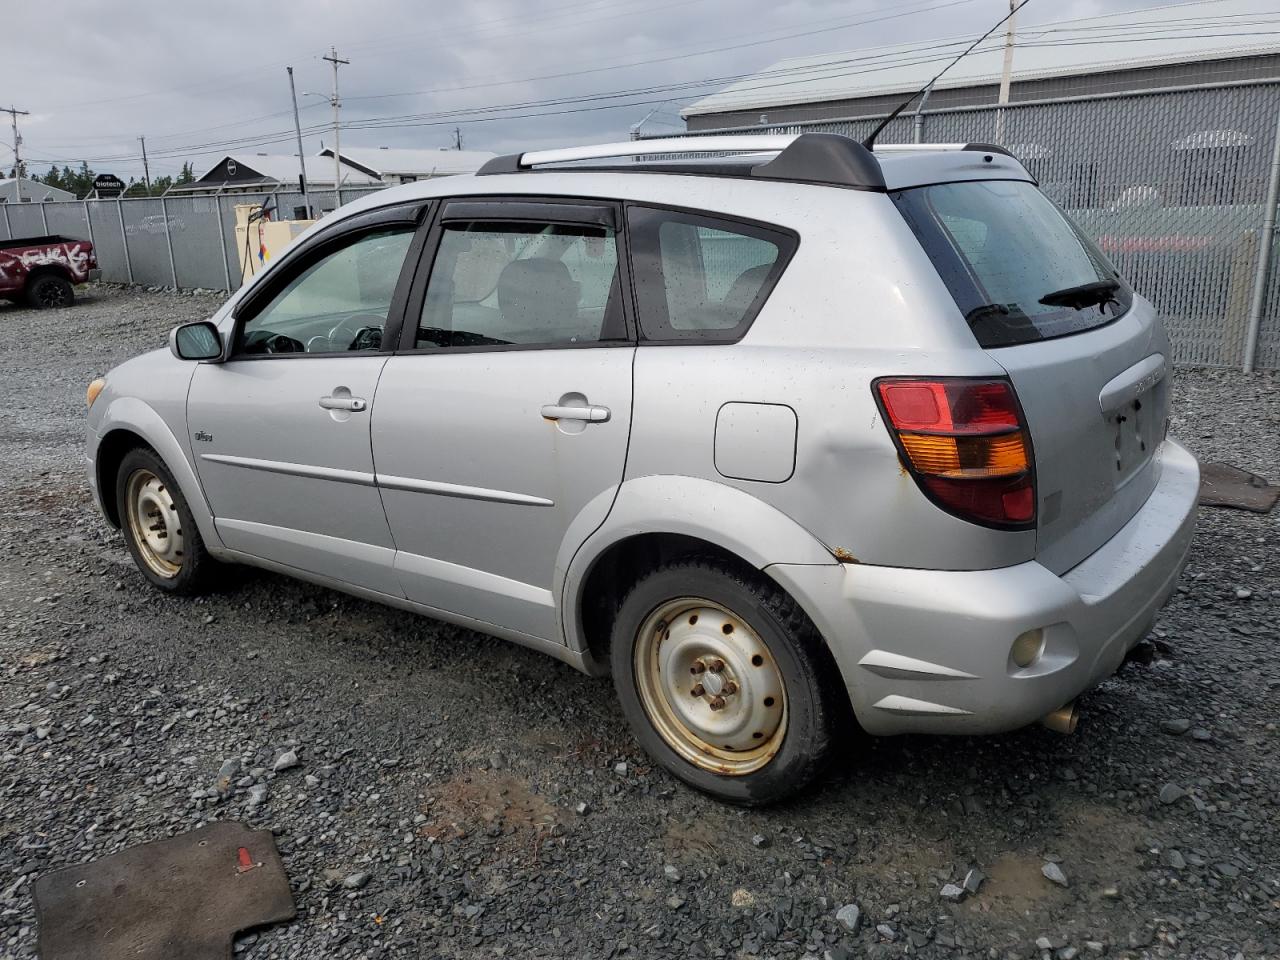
202	80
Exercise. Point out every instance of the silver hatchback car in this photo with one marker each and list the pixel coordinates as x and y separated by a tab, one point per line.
801	431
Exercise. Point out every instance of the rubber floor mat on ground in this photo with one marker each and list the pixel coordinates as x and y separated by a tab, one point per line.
183	897
1222	485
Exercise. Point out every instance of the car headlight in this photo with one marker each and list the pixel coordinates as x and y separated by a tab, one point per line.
95	388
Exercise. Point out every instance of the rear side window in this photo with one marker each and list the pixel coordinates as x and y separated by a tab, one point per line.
702	278
1017	267
527	283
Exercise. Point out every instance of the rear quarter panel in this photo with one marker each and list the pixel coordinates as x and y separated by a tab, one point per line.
859	300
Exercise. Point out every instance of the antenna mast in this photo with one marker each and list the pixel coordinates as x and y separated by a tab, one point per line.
871	139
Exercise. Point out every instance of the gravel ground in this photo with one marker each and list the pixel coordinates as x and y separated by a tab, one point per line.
454	796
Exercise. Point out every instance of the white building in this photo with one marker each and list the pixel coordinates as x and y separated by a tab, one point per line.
394	165
265	172
32	191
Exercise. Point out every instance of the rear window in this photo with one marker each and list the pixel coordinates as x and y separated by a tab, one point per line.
700	278
1003	249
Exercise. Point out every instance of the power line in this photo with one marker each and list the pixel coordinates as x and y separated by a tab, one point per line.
827	27
443	40
805	72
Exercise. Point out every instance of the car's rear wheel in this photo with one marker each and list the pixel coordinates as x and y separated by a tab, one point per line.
48	292
725	681
158	527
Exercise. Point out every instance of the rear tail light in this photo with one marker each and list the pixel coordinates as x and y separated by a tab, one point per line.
966	444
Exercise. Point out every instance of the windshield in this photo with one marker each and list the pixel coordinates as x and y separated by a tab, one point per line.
1008	255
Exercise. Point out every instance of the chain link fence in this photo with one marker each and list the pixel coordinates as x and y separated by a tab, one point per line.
185	241
1170	183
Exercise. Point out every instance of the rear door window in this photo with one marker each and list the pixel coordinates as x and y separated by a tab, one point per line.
1018	268
702	278
523	283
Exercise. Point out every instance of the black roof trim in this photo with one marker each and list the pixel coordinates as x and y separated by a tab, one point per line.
826	158
509	163
987	148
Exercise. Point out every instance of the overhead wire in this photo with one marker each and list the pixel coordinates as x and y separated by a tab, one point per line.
804	72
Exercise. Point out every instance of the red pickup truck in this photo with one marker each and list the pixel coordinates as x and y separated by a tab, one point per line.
42	270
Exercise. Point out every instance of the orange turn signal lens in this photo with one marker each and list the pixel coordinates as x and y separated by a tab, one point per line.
993	455
95	388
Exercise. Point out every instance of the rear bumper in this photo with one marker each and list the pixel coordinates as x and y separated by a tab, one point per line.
929	651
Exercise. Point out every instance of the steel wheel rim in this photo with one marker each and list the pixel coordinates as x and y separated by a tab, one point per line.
154	524
710	686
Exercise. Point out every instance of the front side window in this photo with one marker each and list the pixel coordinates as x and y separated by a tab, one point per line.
338	304
522	283
699	278
1018	269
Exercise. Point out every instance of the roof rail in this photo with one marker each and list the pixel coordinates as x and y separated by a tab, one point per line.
822	158
733	143
940	148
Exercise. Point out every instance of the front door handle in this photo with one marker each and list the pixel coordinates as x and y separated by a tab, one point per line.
590	413
354	404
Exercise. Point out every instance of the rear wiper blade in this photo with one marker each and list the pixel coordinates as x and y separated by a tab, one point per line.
986	311
1083	295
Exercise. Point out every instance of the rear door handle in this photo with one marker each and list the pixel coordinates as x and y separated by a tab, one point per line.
590	413
354	404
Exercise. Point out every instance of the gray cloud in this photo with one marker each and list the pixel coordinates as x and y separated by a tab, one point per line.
192	77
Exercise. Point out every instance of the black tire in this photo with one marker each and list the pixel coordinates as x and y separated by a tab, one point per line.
49	291
197	572
815	700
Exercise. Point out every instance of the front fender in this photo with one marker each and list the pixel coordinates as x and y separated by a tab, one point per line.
726	516
138	417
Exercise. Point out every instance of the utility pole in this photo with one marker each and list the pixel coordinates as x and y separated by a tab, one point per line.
14	113
457	138
337	143
1006	75
297	129
146	170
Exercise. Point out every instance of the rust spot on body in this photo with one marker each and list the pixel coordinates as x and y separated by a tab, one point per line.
843	555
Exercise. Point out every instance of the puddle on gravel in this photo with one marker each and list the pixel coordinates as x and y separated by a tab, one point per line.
486	800
1014	885
39	656
1096	846
51	497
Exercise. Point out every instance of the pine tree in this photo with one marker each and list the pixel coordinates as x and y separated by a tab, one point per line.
52	178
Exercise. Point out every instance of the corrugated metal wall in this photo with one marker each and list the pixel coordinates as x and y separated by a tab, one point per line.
184	241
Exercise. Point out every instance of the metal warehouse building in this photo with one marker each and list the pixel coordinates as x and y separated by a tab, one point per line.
1155	128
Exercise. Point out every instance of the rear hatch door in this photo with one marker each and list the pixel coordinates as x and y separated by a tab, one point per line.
1087	358
1096	405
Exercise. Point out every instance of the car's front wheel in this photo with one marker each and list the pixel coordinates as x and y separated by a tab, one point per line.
725	681
158	527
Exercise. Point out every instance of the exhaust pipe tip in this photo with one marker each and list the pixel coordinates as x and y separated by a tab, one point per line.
1063	720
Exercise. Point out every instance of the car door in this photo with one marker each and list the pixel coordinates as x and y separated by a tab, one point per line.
505	418
280	429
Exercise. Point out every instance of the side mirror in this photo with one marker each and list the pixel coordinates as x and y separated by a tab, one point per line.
196	341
